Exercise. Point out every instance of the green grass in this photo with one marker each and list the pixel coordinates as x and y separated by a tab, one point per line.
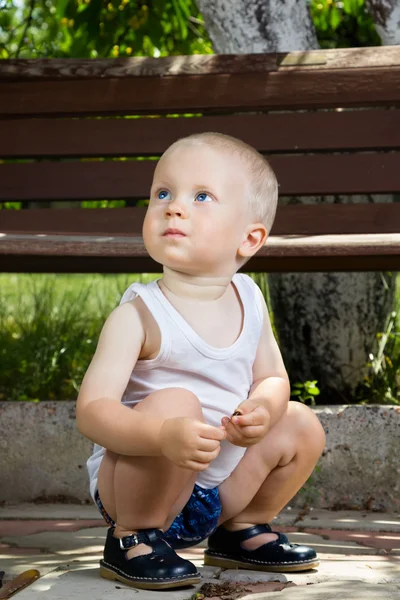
105	290
50	325
49	328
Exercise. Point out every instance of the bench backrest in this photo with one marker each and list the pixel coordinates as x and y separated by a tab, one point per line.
329	122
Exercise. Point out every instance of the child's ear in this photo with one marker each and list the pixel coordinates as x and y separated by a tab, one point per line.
255	236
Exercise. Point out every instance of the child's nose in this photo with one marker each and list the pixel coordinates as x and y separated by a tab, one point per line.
176	208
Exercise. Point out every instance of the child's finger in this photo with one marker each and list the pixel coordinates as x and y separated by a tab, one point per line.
251	418
229	425
237	440
211	433
240	439
207	457
208	445
252	431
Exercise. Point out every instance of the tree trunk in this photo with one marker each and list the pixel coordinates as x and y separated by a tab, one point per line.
257	26
326	322
386	16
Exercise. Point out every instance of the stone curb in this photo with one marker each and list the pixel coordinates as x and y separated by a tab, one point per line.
289	517
43	457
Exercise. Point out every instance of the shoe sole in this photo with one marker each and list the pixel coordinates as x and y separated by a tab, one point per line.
108	573
229	563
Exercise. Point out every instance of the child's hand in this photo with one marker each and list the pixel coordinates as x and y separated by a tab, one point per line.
250	426
189	443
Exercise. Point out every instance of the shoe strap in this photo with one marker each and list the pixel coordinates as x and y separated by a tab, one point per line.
143	536
250	532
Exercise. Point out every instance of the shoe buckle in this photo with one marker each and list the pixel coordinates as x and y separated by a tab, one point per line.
133	539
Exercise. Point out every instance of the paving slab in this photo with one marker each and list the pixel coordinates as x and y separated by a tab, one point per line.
88	541
28	527
375	570
14	561
354	590
44	511
51	512
84	541
65	544
352	520
82	581
387	542
13	564
29	511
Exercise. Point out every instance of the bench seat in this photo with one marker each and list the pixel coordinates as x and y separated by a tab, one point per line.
78	253
328	121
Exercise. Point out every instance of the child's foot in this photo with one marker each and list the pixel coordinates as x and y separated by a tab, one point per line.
226	549
162	568
139	550
254	542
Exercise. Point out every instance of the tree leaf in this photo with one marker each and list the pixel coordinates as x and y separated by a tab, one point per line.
334	18
313	391
182	20
61	6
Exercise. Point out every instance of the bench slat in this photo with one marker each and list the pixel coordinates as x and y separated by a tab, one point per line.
290	245
300	175
367	129
103	264
285	253
80	68
300	219
316	238
245	91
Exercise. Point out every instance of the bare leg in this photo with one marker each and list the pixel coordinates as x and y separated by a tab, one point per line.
271	472
140	492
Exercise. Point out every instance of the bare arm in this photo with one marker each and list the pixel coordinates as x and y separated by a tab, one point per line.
268	396
270	381
100	415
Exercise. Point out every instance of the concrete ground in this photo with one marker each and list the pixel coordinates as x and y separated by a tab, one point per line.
359	553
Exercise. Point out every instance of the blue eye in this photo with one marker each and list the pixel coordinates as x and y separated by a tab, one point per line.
162	194
202	196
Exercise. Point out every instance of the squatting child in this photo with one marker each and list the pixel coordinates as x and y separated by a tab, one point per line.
174	361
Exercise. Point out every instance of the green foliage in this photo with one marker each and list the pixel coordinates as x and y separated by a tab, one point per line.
10	205
305	392
344	23
103	204
114	28
97	28
382	382
47	341
49	328
50	324
45	345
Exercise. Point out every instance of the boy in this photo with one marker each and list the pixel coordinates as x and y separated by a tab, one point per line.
171	465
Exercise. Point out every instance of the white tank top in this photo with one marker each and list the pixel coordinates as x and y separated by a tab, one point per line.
221	378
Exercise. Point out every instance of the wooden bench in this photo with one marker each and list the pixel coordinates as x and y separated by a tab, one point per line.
329	122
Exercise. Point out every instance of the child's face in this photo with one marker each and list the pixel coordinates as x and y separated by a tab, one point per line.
201	191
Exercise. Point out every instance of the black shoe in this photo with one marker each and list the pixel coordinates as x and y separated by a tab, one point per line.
225	550
161	569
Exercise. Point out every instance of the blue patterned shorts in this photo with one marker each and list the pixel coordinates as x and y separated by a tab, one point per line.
197	520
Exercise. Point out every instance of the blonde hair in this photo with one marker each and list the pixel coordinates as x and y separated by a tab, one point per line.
263	197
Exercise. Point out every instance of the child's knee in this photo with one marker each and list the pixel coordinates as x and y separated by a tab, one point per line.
172	402
306	422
